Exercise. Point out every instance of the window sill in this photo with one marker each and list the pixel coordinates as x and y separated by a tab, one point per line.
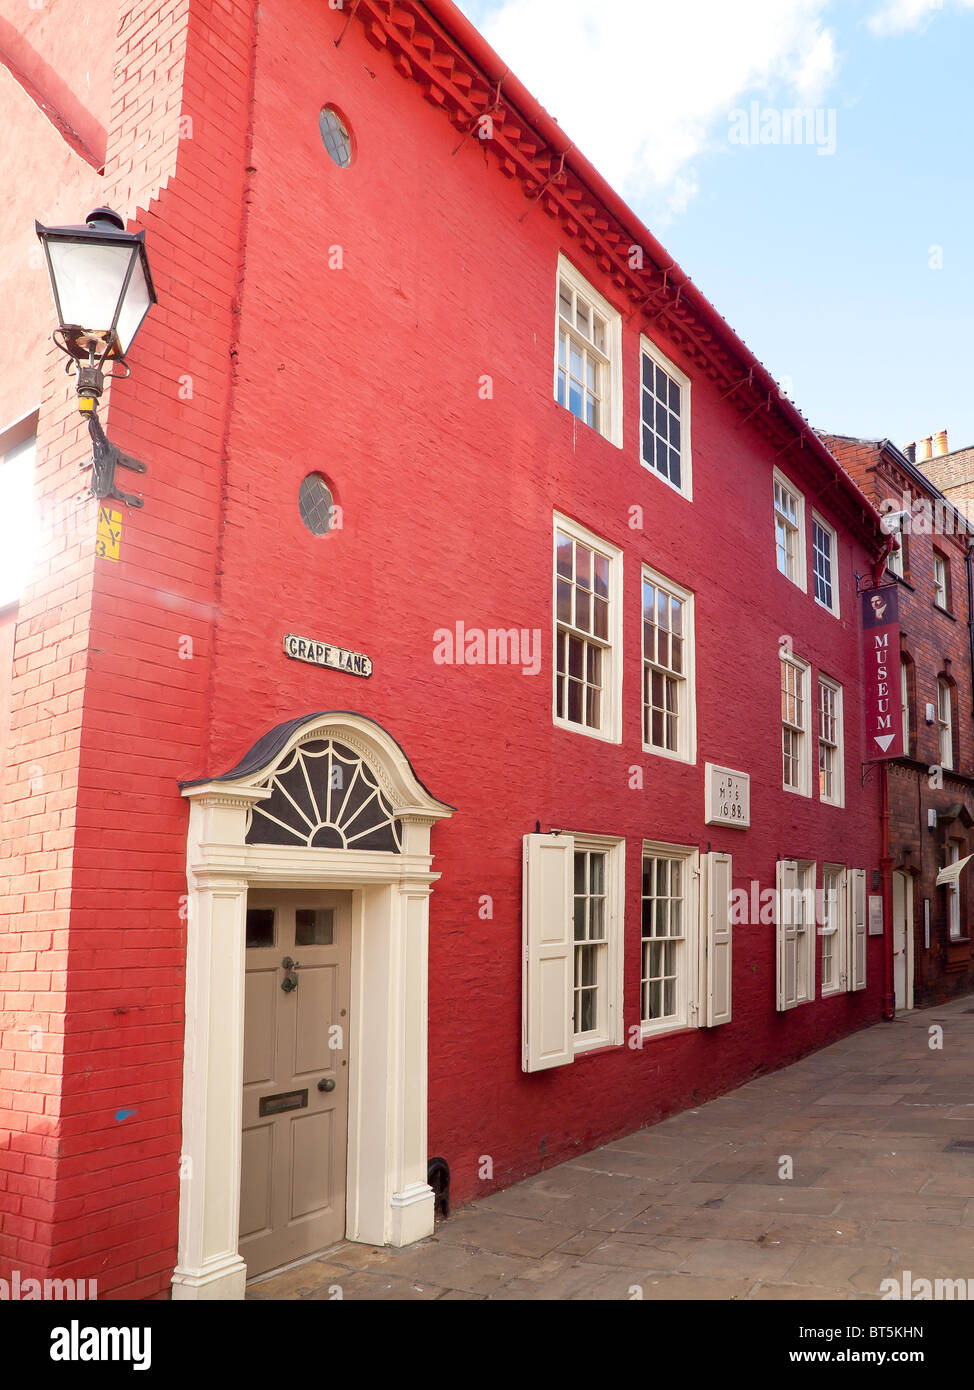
664	1029
616	443
594	1047
826	609
685	492
670	757
585	731
795	791
946	612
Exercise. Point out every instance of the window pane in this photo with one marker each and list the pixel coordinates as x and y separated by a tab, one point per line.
260	927
601	575
314	926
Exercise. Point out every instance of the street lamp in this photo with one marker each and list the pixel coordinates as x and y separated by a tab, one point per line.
102	292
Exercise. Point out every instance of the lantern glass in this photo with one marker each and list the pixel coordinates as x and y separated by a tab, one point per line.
101	284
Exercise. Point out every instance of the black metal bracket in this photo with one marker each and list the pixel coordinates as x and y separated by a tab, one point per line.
105	458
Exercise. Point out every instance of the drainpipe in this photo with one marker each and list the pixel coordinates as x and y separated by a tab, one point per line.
885	858
970	612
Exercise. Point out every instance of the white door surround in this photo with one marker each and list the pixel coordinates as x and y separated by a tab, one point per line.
388	1200
903	965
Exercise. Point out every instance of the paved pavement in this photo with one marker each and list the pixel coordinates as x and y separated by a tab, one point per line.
694	1208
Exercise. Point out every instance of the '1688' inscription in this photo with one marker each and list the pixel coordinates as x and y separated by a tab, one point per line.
728	797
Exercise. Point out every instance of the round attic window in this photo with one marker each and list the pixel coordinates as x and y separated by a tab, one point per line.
317	505
335	136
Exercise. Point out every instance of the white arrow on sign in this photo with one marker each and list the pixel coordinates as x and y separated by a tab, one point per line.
885	741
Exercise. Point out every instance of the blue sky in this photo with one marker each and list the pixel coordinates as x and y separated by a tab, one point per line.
850	274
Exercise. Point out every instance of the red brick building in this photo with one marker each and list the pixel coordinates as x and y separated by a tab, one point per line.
431	772
932	787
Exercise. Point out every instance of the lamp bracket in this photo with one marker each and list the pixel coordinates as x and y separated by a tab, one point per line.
105	458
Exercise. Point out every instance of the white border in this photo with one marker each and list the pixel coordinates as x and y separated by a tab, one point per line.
838	799
647	346
809	738
690	1004
687	751
611	730
615	895
801	578
613	327
818	520
388	1200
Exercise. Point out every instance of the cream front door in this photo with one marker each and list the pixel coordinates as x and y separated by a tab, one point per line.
295	1083
903	940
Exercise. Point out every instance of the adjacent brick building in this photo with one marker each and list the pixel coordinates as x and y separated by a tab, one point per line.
479	559
932	787
950	470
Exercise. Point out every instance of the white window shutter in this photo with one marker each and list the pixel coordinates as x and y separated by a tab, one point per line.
808	943
715	972
787	934
857	929
547	914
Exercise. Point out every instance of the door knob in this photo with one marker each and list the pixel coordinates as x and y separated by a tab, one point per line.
290	980
327	1083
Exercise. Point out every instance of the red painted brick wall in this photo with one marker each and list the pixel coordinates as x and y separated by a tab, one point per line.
937	644
447	507
370	374
105	713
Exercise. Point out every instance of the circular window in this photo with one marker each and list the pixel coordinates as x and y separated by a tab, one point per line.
335	137
317	504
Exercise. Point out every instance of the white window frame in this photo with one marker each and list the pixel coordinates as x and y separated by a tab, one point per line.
829	531
941	588
834	927
837	797
686	749
955	931
20	528
800	576
895	558
611	424
803	919
688	1005
945	724
804	787
649	349
610	729
610	1031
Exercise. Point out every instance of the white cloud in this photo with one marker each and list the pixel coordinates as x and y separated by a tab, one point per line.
902	16
645	89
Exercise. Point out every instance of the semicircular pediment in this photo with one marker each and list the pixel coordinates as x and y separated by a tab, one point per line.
324	795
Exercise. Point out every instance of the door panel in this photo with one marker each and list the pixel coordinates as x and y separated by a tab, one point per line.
295	1136
259	1025
313	1164
255	1186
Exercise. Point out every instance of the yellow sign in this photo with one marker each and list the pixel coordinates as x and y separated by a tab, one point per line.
109	534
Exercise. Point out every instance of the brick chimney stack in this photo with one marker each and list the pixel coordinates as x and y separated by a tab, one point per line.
925	449
940	443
